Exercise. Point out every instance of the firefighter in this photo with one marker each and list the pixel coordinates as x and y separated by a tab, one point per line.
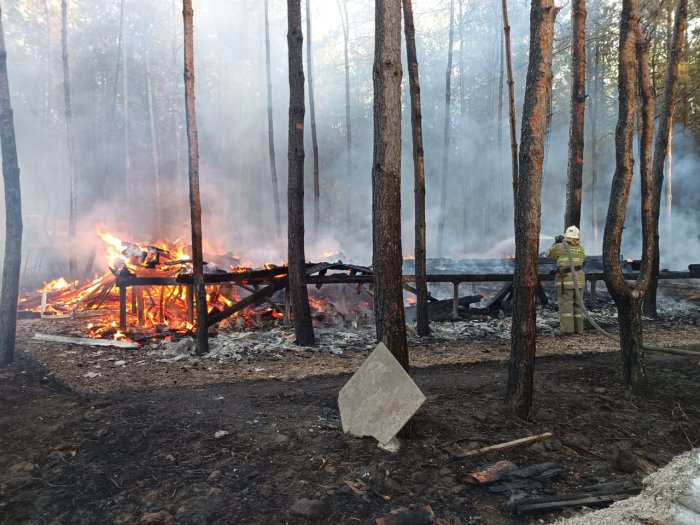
570	310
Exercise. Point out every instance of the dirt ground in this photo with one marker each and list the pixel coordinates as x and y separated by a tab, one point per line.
114	436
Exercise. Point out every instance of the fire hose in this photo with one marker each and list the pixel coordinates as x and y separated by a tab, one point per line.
579	299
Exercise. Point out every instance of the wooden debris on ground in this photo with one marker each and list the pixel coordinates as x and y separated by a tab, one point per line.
594	496
458	452
84	341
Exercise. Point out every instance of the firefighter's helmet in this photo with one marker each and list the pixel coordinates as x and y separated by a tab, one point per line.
572	233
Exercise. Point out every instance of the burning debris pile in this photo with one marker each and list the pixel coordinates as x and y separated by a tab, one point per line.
146	294
145	297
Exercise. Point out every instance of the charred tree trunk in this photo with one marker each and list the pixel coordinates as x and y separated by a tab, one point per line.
13	215
422	322
270	128
312	115
295	188
663	143
386	181
446	136
511	99
574	185
528	206
73	205
348	127
628	299
200	295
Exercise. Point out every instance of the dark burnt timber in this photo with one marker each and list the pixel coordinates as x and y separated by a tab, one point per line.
275	279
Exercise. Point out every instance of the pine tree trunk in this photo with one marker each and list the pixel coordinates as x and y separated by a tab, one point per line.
270	129
73	205
446	137
386	181
663	144
155	154
422	322
348	127
572	215
195	203
511	99
295	188
527	208
633	51
13	215
312	115
629	315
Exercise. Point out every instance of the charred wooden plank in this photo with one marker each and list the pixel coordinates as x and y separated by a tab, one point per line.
253	299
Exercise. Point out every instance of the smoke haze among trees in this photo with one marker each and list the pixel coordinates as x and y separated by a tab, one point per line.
237	204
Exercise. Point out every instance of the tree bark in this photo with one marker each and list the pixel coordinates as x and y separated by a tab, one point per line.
195	203
511	99
572	215
73	205
386	181
662	145
422	322
271	130
13	215
312	115
528	206
632	50
446	136
295	189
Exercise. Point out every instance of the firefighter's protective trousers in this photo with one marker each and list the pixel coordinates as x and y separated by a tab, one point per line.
570	311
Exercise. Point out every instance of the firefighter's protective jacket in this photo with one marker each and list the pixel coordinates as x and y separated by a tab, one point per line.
557	252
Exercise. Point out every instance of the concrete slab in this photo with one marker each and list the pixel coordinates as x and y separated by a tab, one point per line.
379	399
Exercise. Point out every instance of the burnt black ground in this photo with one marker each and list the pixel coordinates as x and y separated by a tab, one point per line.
151	456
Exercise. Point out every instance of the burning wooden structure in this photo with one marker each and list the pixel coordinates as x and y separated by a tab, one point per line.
147	293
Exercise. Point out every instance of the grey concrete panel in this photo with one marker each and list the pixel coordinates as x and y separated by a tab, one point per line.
380	398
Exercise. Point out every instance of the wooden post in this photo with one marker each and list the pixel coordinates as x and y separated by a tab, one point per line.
287	307
592	299
122	308
138	291
161	314
190	304
455	300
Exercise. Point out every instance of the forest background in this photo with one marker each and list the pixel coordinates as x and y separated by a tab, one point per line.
129	140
